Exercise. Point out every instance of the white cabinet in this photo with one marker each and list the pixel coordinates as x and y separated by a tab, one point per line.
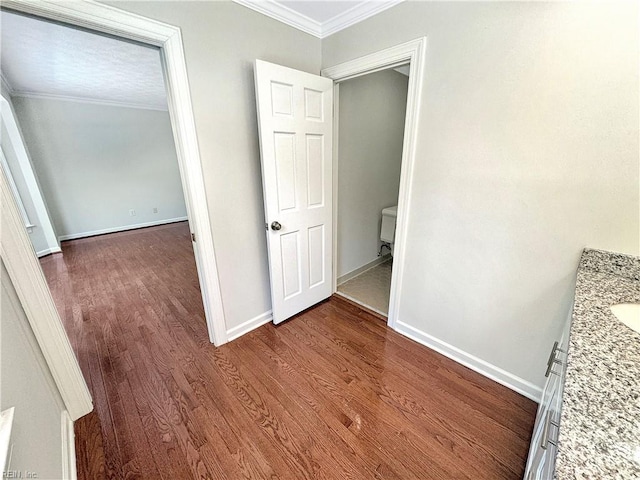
542	452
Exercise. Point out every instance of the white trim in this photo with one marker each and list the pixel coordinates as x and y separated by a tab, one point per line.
48	251
34	295
334	180
412	52
122	228
367	266
27	173
284	14
356	14
16	194
249	325
476	364
113	21
92	101
69	471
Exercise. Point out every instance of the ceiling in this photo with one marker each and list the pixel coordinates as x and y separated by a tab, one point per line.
319	18
44	59
40	58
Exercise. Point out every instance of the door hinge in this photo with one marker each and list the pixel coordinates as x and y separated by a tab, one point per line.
193	237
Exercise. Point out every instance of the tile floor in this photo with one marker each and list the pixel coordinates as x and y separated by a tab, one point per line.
370	288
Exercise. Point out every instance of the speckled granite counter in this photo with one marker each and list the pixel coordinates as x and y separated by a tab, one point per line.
599	435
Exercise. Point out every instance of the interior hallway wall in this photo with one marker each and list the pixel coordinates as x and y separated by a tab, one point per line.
371	131
96	162
527	152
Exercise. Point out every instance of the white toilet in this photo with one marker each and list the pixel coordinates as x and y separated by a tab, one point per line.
388	228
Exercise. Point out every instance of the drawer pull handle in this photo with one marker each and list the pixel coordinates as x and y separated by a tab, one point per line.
546	431
552	359
550	366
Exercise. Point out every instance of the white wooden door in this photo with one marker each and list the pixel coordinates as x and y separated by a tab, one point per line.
295	118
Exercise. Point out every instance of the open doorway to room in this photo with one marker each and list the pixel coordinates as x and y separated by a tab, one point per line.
98	131
88	147
166	42
299	189
92	113
371	124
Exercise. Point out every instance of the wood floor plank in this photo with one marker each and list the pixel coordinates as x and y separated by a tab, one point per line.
330	394
327	410
405	392
402	392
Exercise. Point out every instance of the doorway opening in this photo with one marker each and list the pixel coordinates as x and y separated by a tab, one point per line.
411	54
371	128
104	20
299	155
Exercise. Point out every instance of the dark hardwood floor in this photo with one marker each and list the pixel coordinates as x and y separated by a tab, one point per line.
332	393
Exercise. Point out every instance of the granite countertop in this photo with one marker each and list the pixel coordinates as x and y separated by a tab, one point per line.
599	435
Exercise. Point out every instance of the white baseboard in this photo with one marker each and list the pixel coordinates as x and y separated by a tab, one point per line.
249	325
48	251
354	273
73	236
69	471
496	374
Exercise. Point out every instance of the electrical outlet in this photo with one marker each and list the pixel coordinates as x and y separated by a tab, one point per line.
155	209
132	213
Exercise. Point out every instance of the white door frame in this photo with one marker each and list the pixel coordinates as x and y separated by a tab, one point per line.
24	164
412	52
113	21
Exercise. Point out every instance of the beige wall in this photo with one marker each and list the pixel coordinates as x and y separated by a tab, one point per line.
527	152
221	42
27	385
96	162
371	130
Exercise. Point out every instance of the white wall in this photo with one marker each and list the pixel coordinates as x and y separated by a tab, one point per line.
27	385
96	162
371	130
221	41
527	152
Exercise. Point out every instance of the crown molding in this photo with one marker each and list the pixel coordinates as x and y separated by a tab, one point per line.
284	14
356	14
93	101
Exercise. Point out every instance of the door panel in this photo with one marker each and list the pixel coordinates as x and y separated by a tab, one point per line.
285	156
295	122
316	256
290	253
315	167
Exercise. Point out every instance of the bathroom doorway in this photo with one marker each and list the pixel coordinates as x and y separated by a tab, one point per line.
370	127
